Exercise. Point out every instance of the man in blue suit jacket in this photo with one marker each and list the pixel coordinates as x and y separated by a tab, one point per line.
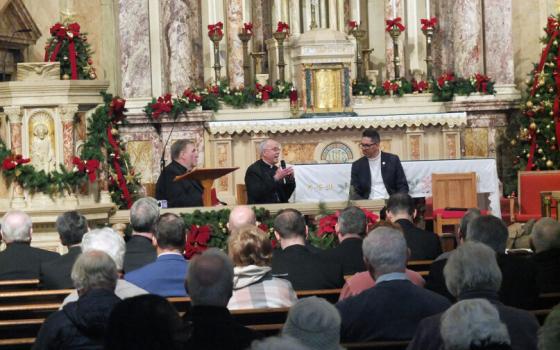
376	175
166	275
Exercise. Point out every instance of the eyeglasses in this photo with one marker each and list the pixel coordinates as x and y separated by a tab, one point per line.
275	149
367	145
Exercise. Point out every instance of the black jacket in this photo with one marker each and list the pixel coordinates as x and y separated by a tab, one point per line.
349	254
21	261
79	325
391	171
548	270
139	252
183	193
55	274
423	245
261	186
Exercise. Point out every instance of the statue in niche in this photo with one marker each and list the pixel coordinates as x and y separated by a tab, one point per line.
42	155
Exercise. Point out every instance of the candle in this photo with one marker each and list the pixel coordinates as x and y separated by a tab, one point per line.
394	6
428	9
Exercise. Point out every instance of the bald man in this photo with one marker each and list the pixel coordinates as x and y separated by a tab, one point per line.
240	216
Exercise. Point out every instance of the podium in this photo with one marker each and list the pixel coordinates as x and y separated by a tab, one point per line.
206	176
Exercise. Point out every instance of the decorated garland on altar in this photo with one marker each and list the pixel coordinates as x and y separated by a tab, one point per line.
70	47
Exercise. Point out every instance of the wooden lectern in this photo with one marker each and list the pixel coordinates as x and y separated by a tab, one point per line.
206	176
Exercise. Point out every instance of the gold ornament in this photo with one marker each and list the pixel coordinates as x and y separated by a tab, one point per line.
549	163
528	155
529	104
513	142
540	150
533	126
551	113
93	76
114	131
551	90
553	138
65	77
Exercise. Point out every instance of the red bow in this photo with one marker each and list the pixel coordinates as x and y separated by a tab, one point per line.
264	90
11	161
163	105
394	23
282	27
66	34
88	166
215	29
419	86
428	23
117	109
481	82
551	25
247	28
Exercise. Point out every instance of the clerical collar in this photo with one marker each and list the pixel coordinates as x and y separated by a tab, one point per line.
270	165
376	157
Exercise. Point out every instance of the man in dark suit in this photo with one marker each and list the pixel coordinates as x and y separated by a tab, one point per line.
423	245
19	260
392	309
166	275
376	175
183	193
304	268
545	239
140	249
350	230
267	183
55	274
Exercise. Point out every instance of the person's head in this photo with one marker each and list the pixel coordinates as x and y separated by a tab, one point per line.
71	227
545	235
315	323
472	267
170	232
40	131
144	214
16	227
143	322
370	143
210	278
249	245
549	333
400	206
470	215
473	324
270	151
385	251
94	269
278	343
185	153
488	230
352	220
106	240
289	225
241	215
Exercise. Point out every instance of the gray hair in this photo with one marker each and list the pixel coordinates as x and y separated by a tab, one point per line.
240	216
472	322
352	220
71	227
210	278
178	146
470	215
144	214
549	333
106	240
278	343
385	249
488	230
472	266
262	145
16	227
94	269
545	234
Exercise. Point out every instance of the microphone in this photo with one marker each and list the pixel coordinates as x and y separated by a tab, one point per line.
289	178
4	61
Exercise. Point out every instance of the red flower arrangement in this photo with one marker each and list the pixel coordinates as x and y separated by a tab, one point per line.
394	23
247	28
12	161
352	25
293	95
197	240
192	96
327	223
216	29
117	109
282	27
481	82
419	86
264	91
89	167
429	23
390	87
164	104
444	78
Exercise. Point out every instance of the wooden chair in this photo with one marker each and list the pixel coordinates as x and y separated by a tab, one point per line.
452	190
150	189
530	184
241	192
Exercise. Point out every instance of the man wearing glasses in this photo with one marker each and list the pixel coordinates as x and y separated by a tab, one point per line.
267	183
376	175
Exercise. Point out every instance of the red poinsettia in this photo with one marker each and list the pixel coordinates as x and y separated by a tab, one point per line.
481	82
13	161
192	96
197	240
247	28
282	27
391	23
326	224
215	29
419	86
88	166
117	109
73	30
371	219
264	90
551	25
444	78
428	23
164	104
390	87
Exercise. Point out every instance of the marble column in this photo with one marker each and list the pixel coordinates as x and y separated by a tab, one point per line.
258	22
467	37
294	15
15	116
234	23
181	45
498	53
134	32
391	13
442	49
67	113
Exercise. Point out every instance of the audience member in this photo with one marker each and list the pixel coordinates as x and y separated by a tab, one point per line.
473	324
110	242
20	260
278	343
253	283
393	308
350	230
423	245
55	274
82	324
315	323
140	251
210	285
472	272
147	322
296	262
545	239
549	334
166	275
240	216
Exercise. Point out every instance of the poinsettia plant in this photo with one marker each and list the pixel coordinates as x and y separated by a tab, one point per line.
282	27
325	234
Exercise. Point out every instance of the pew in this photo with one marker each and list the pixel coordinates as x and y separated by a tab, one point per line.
19	285
379	345
548	300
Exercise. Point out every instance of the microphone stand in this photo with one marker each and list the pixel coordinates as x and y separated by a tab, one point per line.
162	160
4	61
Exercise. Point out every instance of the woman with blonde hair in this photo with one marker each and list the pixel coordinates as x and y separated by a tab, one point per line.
253	283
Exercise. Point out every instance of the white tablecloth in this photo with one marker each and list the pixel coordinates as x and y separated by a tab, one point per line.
331	182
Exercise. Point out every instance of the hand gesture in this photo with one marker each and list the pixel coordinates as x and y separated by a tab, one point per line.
282	173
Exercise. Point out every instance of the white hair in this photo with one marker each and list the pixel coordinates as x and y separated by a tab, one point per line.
106	240
385	249
16	227
545	234
278	343
94	269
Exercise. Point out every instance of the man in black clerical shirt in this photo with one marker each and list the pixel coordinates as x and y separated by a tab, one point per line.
183	193
267	183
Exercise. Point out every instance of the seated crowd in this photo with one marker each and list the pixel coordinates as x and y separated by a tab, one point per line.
474	297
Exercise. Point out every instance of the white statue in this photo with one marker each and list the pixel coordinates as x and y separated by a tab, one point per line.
42	156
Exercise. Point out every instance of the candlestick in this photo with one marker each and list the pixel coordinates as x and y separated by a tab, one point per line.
394	6
280	37
245	36
428	9
395	33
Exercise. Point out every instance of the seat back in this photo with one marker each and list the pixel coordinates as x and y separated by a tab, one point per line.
241	192
530	184
454	190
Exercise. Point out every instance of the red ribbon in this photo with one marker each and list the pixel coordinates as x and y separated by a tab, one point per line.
542	62
73	67
55	51
428	23
117	166
394	22
532	150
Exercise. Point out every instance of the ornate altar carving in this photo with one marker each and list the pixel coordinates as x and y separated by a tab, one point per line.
38	71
